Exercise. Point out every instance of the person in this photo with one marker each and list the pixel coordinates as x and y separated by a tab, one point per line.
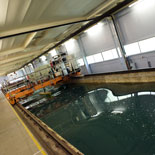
52	66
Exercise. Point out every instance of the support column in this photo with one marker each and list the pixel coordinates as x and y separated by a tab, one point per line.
29	67
116	42
33	65
25	70
83	54
122	50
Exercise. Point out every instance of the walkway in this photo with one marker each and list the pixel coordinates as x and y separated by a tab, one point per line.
15	137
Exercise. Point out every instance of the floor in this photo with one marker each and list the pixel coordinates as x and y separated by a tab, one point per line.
15	137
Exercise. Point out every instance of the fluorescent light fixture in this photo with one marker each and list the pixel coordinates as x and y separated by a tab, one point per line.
53	52
43	58
95	29
135	3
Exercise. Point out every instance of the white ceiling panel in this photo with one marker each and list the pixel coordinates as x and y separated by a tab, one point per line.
17	10
21	13
0	45
3	11
12	42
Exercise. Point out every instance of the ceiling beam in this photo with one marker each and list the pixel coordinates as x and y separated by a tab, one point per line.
29	39
21	61
21	48
10	51
40	27
21	54
14	59
102	7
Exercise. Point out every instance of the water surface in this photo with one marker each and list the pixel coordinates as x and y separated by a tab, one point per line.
111	119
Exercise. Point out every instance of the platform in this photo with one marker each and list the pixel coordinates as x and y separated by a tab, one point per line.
15	137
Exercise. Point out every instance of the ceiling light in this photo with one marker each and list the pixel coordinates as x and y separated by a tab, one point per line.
135	3
43	58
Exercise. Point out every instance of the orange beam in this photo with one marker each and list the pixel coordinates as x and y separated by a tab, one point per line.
16	91
14	96
31	90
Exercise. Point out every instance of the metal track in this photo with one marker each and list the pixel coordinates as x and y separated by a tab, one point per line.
53	141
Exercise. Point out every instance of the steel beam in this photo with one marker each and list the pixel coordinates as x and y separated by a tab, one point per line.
41	27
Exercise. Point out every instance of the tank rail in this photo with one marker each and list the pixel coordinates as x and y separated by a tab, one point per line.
55	143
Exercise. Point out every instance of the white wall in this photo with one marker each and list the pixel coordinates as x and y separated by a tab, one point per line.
137	22
98	41
72	48
95	40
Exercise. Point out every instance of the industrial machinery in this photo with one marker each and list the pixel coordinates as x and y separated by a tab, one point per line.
60	68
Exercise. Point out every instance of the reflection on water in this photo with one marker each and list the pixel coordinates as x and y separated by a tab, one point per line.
98	122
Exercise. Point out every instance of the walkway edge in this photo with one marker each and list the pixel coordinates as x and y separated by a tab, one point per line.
27	130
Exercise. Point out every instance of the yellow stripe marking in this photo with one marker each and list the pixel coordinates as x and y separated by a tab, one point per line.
28	131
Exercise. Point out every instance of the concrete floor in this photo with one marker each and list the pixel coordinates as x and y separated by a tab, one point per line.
15	138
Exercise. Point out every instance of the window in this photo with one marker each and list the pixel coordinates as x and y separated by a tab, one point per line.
80	62
90	59
132	49
98	57
109	55
147	45
114	53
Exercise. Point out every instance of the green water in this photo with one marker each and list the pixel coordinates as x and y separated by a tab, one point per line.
111	119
